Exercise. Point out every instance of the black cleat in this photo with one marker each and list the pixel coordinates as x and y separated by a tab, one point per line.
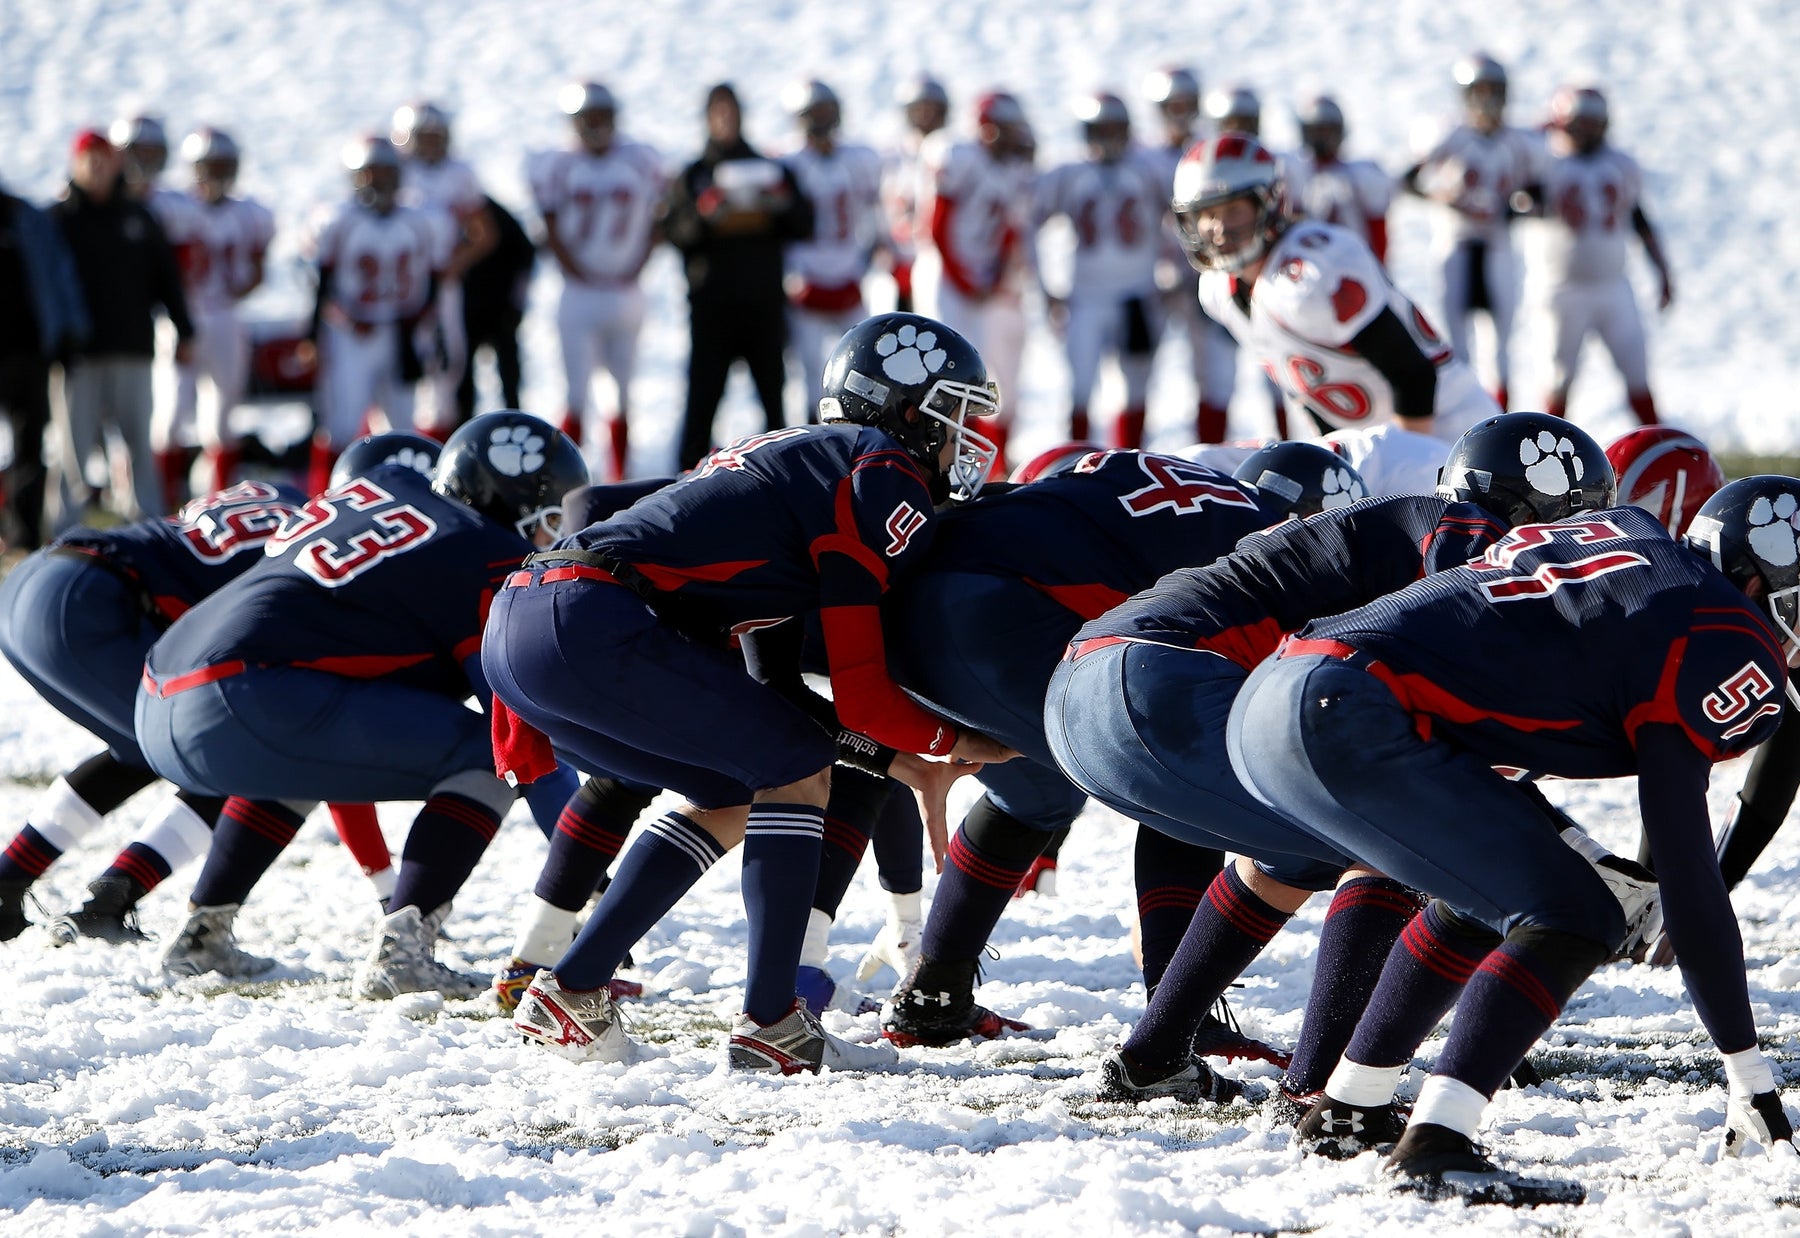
12	909
1222	1037
110	914
1191	1083
1339	1131
1435	1162
935	1006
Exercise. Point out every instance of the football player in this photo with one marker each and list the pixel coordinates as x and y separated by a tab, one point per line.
1309	298
1115	202
1472	175
599	201
825	271
926	105
1352	193
284	686
1608	649
614	645
1590	193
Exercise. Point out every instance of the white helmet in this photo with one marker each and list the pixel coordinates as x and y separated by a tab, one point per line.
1235	110
1215	171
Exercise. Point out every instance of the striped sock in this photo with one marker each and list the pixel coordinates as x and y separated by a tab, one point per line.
989	853
781	870
27	856
1422	978
589	834
445	843
1171	878
142	866
1229	929
660	866
249	837
60	818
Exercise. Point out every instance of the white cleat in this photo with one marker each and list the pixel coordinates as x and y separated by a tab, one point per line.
797	1043
584	1026
401	960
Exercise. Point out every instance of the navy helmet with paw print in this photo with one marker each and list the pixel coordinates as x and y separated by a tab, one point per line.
513	468
919	381
1750	530
1528	468
1303	478
371	451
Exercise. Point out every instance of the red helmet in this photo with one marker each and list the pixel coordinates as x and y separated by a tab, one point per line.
1061	458
1667	471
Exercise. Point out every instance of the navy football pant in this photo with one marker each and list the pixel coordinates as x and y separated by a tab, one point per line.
77	634
1327	743
592	667
285	733
1141	728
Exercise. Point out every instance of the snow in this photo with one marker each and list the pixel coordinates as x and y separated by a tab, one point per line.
131	1104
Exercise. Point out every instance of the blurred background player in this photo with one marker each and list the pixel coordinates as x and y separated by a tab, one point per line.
599	202
825	272
431	180
975	201
1351	193
926	106
128	272
1590	192
731	213
1115	203
495	291
224	265
378	271
1211	350
1472	175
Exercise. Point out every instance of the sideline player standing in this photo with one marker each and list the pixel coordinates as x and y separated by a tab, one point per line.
926	105
1351	193
599	204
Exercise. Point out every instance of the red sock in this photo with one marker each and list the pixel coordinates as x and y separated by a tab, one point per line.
223	464
620	432
172	464
1500	397
571	425
1557	406
1211	423
1078	425
1128	430
1644	406
361	831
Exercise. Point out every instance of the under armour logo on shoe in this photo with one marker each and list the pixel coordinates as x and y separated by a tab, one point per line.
1336	1125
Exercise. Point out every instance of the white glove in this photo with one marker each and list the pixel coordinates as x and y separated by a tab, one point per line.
1640	898
897	944
1753	1112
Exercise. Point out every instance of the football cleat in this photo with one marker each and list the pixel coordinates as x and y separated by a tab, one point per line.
1435	1162
12	909
585	1026
108	915
797	1043
1338	1130
400	960
206	944
1222	1037
935	1006
511	981
1192	1083
815	986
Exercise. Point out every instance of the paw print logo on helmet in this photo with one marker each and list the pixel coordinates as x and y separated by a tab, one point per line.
910	355
1341	486
373	451
1750	530
1528	468
1551	463
1770	525
1302	479
515	450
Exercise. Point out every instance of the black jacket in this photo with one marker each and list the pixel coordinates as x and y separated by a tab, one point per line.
127	269
742	267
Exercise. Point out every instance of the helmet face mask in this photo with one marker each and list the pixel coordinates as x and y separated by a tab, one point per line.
1229	202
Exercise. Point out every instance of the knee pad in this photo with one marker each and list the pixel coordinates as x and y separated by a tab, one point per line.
1471	935
612	800
1567	957
997	833
481	786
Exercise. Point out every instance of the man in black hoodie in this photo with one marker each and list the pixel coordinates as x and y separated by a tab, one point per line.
730	212
127	270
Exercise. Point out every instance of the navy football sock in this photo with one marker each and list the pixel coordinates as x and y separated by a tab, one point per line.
1229	929
1366	918
989	853
1424	975
443	846
857	798
1512	999
142	867
899	842
249	837
658	868
589	835
1171	878
27	856
781	870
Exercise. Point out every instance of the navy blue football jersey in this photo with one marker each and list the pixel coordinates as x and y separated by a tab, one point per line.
1552	650
378	577
1273	583
178	560
1095	535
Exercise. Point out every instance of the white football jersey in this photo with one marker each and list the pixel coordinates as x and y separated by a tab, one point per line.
985	199
1588	203
1116	211
233	235
177	212
1391	461
448	185
1479	173
1319	287
844	187
601	207
900	193
381	265
1349	193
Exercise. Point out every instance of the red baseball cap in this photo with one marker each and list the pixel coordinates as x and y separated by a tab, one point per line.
89	140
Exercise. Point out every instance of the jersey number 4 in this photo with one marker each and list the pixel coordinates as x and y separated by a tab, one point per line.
1504	579
331	562
1182	487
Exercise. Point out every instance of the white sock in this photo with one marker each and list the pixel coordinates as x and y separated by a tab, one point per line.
176	833
1444	1101
545	933
62	816
1356	1084
815	950
384	880
907	908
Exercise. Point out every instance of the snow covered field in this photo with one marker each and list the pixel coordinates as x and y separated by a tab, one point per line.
133	1106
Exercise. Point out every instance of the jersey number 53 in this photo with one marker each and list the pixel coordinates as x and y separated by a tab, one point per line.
332	561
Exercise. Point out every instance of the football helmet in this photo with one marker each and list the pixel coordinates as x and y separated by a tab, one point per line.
1581	115
1176	93
371	451
919	381
1667	471
1105	125
1482	80
1750	530
1215	172
1322	127
214	155
1303	478
1235	110
144	143
422	130
815	105
999	122
1054	461
593	111
374	167
1528	468
513	468
925	101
